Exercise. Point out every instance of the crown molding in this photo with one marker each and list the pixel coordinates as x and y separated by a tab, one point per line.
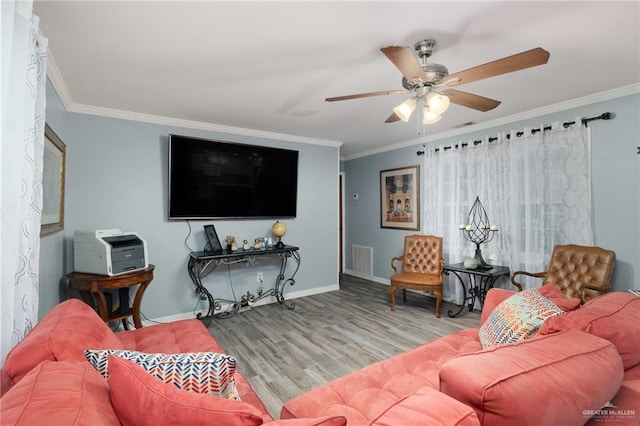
196	125
63	93
61	89
55	76
549	109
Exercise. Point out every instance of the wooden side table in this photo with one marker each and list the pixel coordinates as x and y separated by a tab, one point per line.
91	287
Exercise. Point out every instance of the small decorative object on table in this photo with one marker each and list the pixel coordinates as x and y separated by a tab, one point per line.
470	263
245	245
229	239
478	230
279	229
256	244
231	243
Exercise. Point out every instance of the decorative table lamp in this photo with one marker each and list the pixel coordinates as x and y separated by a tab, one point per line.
478	231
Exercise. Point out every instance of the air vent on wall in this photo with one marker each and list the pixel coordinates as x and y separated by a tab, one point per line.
468	123
362	260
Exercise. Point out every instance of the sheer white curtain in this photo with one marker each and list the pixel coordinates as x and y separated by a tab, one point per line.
23	77
534	185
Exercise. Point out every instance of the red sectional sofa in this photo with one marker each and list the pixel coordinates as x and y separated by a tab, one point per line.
47	380
582	366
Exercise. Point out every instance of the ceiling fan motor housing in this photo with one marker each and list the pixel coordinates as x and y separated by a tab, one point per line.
434	72
434	75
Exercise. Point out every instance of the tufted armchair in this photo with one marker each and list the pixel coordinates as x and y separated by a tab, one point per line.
422	266
582	272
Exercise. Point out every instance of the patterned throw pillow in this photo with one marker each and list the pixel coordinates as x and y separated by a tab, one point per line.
517	318
139	399
200	372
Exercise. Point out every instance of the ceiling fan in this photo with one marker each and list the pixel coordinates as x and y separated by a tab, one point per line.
431	83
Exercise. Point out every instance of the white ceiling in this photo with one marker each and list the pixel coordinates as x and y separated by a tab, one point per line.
268	66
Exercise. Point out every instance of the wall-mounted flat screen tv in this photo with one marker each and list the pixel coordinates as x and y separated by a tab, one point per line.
222	180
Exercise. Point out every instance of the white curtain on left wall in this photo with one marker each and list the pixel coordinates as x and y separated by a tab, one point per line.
23	84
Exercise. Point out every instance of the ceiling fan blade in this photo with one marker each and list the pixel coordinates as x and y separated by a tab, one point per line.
406	62
470	100
519	61
392	118
366	95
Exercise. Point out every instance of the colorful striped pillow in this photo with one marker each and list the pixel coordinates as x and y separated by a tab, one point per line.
517	318
200	372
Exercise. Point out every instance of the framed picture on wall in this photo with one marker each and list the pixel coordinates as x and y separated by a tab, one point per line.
400	198
53	175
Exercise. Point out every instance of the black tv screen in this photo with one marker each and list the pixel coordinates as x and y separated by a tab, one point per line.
222	180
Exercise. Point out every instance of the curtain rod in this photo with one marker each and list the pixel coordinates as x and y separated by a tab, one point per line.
603	116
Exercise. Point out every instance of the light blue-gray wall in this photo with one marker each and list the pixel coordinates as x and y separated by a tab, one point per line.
52	288
117	178
615	188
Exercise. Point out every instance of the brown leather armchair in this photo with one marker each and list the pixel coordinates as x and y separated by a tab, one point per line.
583	272
422	266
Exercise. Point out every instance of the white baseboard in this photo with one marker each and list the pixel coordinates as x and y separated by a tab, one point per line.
367	277
265	301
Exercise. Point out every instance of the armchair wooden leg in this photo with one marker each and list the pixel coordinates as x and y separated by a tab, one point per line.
438	295
392	292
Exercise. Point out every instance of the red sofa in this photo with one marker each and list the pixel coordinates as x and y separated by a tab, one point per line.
47	380
584	366
581	367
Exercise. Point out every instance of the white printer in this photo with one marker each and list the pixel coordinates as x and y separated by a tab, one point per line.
108	252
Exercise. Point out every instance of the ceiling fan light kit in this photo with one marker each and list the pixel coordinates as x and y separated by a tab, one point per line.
437	103
431	83
434	105
405	109
430	117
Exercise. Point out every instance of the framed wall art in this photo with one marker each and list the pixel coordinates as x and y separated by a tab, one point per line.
400	198
53	175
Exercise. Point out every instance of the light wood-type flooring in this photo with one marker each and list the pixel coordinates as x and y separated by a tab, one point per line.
284	353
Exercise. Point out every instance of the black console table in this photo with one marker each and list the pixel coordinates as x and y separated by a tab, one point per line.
480	281
202	263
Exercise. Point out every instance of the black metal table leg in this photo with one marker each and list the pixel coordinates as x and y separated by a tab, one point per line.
464	291
480	282
202	263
